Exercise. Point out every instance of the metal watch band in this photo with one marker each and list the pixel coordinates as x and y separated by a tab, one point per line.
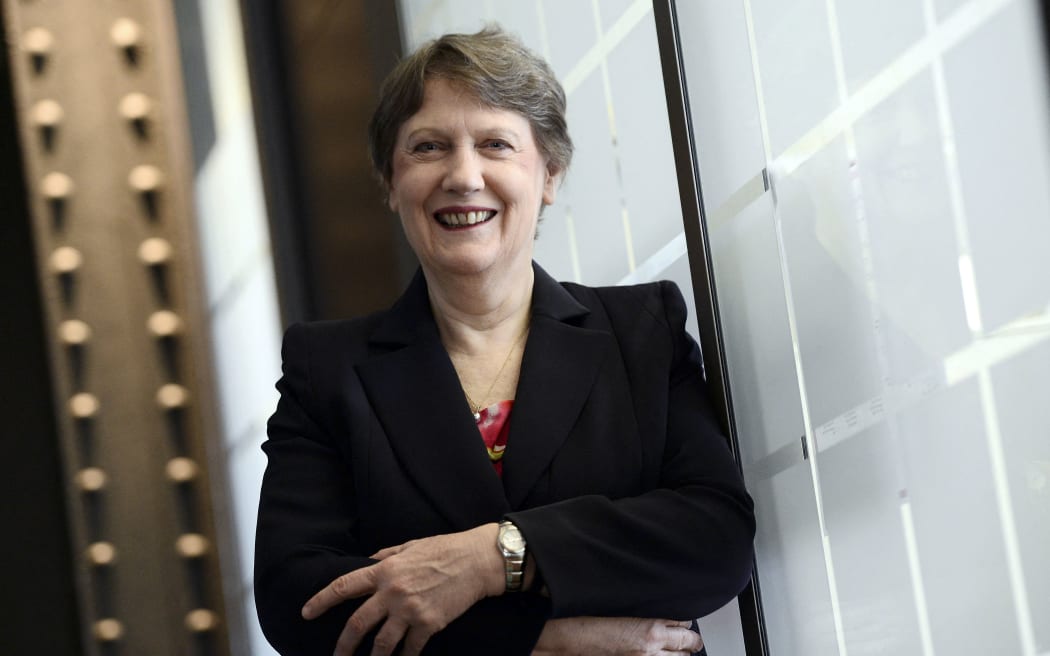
513	559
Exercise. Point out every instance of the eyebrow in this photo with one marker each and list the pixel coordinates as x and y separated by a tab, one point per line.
427	131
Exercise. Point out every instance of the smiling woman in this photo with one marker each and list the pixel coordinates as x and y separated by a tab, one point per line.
499	460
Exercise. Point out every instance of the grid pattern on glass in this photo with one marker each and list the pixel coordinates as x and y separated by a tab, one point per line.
908	201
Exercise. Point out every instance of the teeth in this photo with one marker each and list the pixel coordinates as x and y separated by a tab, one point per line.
464	218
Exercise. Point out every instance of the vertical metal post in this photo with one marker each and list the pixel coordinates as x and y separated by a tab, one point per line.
695	226
103	137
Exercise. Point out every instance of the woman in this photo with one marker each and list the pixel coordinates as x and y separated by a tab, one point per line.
600	485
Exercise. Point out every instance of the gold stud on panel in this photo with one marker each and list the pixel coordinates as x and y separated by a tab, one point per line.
126	35
201	620
155	251
38	44
65	260
181	470
108	630
164	324
136	109
91	479
192	545
84	405
74	332
173	396
101	554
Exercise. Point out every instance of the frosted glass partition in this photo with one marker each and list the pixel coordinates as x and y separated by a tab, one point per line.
874	178
618	216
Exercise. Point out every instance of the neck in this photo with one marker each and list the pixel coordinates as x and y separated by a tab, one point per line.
475	312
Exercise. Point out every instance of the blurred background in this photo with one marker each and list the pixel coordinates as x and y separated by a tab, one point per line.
851	193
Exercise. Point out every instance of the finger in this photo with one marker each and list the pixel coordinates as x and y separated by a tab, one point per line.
388	637
683	623
360	623
415	641
391	551
682	639
352	584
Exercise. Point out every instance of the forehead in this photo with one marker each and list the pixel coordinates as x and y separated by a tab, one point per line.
448	106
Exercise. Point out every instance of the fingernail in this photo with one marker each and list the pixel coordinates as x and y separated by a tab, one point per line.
306	612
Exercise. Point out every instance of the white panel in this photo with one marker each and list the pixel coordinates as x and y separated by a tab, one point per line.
957	526
1021	386
679	273
522	19
861	484
722	100
829	285
795	594
646	156
874	32
246	463
797	68
612	10
553	246
571	32
915	255
756	333
721	631
591	191
1000	109
231	215
247	347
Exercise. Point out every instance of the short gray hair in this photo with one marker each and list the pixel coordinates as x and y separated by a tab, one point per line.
493	66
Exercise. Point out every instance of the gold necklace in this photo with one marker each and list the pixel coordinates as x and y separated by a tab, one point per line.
475	408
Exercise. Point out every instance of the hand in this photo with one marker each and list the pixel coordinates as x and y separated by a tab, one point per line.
616	636
416	589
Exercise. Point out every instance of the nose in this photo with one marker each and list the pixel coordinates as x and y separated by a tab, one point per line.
464	173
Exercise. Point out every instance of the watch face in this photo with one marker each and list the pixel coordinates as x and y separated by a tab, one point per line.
510	539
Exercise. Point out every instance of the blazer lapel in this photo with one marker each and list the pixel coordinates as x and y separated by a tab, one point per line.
558	371
415	393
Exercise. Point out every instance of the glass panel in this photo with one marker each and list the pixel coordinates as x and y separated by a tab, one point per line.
1004	170
756	333
861	486
932	450
589	192
873	33
828	280
795	594
718	66
960	546
797	67
910	226
646	156
1021	384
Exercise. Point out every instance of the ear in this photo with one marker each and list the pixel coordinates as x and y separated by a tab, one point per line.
391	198
550	185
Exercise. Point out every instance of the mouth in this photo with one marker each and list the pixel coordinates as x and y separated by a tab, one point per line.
457	218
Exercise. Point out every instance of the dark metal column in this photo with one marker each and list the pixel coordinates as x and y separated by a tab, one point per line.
695	226
102	125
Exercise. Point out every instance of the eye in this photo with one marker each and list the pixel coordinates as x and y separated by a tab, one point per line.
497	146
426	147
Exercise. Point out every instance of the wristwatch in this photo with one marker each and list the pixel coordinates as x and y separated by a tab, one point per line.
511	544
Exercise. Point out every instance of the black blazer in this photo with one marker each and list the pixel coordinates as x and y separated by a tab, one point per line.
615	470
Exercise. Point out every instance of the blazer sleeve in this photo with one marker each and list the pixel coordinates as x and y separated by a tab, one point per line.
306	531
680	550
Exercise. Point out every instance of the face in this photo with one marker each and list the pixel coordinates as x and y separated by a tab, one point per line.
468	182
